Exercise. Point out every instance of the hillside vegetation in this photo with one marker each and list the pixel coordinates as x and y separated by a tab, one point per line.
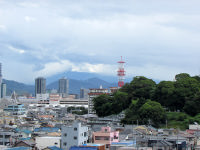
168	103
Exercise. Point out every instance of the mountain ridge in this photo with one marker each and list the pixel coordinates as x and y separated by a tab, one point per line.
74	85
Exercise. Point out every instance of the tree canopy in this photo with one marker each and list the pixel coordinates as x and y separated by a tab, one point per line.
143	100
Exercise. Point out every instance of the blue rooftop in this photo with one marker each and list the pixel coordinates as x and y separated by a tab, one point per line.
83	148
46	129
54	148
19	148
25	131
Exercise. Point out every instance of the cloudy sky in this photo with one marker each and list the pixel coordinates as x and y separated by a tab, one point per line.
157	38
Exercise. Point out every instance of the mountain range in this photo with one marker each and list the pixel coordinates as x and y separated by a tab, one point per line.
74	85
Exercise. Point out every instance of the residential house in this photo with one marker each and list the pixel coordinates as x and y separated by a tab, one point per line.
105	136
74	135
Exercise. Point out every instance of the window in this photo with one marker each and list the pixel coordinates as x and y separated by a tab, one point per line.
65	134
106	130
85	134
97	138
64	143
75	137
106	138
75	129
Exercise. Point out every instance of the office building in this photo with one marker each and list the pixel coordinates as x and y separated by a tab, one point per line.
3	90
74	135
63	87
40	85
84	93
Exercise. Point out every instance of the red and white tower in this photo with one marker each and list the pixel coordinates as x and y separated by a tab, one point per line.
121	73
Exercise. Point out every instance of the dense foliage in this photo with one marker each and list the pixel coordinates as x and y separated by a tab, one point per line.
143	100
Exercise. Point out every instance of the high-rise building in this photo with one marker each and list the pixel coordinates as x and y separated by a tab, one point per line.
63	87
3	90
40	85
84	93
0	80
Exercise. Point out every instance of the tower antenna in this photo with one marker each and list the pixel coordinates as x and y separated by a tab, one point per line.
121	73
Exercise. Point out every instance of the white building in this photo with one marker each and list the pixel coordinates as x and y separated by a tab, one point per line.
94	93
74	135
43	98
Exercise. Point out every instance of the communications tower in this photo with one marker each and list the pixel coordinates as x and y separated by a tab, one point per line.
121	73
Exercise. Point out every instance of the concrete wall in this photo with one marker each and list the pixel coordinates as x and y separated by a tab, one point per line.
43	142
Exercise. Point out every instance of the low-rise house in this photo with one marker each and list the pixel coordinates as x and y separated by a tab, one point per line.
73	135
105	136
26	143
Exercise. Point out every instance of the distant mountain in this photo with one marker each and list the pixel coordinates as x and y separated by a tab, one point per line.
74	85
81	76
18	87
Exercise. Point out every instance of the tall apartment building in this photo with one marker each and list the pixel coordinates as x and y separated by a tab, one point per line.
74	135
84	93
3	90
40	85
92	94
63	87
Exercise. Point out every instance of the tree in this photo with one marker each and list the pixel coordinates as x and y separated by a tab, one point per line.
185	90
103	105
192	107
131	114
142	87
120	102
153	111
181	76
164	94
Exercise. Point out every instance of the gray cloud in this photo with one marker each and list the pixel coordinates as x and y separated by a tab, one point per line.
152	35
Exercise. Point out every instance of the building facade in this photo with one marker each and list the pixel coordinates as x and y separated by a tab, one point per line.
6	137
3	90
74	135
63	87
40	85
84	93
16	109
106	136
92	94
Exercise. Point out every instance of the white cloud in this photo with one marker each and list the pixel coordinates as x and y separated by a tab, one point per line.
20	51
53	68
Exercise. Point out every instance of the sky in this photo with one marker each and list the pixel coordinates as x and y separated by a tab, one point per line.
158	39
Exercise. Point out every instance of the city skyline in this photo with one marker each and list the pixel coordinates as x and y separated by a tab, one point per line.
157	39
